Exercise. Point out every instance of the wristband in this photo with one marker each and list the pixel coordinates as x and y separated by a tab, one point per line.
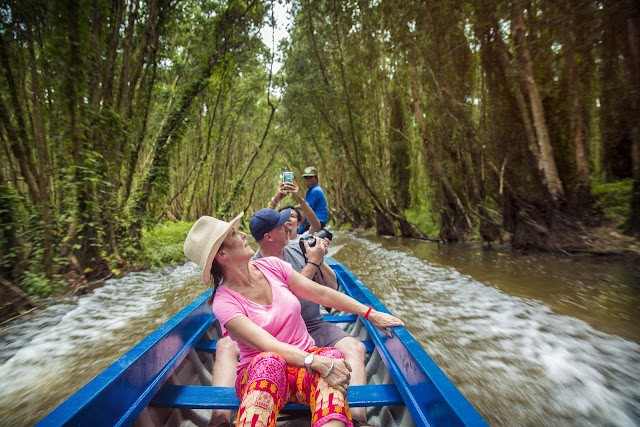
367	313
313	263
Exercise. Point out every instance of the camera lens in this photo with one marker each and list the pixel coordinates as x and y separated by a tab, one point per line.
311	240
324	234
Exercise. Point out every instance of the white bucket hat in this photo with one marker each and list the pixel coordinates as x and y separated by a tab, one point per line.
204	240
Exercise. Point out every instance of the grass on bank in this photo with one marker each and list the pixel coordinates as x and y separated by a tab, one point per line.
162	245
613	201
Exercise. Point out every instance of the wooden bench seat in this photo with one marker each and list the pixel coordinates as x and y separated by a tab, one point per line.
203	397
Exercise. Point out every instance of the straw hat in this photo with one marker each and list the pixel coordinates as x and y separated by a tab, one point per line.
204	240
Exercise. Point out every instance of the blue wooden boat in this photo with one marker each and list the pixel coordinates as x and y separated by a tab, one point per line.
166	379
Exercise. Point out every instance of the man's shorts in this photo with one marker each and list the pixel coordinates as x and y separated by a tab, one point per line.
326	334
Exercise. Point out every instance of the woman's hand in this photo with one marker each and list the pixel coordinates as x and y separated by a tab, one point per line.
282	192
384	321
339	376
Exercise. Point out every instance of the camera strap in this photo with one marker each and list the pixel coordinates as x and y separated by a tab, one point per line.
306	261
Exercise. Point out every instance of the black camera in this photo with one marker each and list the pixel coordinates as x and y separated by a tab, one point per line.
311	240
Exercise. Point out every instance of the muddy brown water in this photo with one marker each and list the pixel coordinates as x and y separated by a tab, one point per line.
530	339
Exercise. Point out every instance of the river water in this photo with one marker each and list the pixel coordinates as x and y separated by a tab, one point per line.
528	339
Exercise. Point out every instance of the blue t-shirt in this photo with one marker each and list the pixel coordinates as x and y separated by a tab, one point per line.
318	202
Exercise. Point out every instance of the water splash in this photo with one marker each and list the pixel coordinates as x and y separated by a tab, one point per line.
47	357
512	357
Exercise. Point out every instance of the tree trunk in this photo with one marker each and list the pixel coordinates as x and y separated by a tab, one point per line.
450	194
40	140
633	33
503	53
582	196
146	45
399	152
126	54
117	12
549	168
18	138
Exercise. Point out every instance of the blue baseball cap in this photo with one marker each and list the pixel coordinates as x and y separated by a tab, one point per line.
266	220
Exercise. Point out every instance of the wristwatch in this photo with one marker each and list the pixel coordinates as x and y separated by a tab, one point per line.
308	361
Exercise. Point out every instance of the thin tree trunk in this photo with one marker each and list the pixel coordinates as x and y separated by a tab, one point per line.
117	12
583	187
146	45
18	138
126	54
20	155
399	148
94	87
434	159
82	193
503	53
549	168
633	33
40	140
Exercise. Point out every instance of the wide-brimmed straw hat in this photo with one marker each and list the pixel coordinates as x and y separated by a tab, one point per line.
204	240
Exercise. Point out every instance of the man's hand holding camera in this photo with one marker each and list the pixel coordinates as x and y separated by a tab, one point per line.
316	253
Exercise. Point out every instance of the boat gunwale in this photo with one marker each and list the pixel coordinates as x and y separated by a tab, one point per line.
422	410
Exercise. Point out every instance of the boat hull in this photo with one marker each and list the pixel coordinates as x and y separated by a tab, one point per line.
166	379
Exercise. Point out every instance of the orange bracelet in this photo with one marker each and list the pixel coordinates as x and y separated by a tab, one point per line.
367	313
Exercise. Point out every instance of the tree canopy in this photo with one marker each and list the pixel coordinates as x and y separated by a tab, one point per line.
485	118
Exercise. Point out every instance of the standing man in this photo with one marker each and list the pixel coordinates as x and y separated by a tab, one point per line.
315	198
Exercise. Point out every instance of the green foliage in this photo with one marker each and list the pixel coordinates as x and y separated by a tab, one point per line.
38	284
8	226
614	199
422	217
162	245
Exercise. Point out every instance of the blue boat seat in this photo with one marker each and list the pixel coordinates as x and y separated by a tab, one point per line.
202	397
348	318
210	345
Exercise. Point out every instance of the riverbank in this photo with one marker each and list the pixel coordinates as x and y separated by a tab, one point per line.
161	247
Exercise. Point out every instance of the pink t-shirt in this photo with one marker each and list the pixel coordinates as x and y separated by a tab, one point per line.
281	319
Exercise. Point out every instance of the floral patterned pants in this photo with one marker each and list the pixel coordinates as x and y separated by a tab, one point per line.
266	384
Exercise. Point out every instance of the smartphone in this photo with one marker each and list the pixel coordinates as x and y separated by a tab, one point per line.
287	177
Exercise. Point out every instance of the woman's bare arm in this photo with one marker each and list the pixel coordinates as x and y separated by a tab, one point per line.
310	290
307	212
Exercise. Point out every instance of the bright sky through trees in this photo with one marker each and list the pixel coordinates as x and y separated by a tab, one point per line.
280	13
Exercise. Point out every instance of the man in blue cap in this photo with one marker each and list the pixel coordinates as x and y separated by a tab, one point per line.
315	198
270	230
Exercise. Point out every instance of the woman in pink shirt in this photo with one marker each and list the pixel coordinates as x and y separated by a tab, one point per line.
257	305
